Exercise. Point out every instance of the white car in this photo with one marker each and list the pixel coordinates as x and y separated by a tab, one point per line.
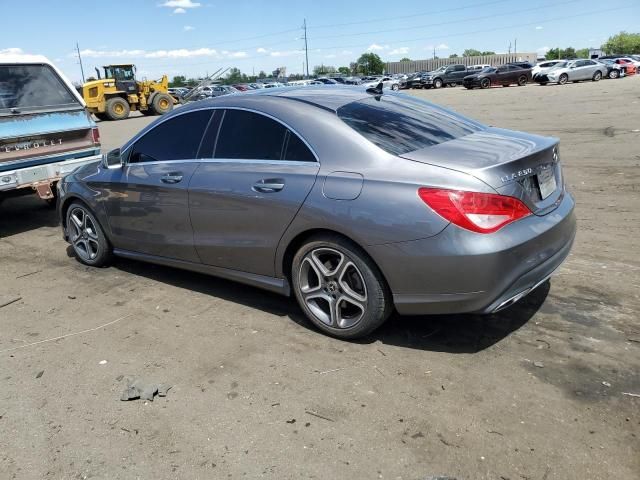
573	71
544	67
387	82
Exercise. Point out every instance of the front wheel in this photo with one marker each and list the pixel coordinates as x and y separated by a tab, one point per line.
117	109
597	76
437	83
162	103
86	236
564	78
339	288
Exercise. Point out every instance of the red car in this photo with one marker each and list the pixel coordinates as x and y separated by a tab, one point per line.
241	87
630	68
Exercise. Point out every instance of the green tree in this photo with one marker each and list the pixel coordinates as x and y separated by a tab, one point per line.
405	59
234	75
262	74
471	52
488	52
582	53
178	81
370	64
623	42
344	70
453	55
323	69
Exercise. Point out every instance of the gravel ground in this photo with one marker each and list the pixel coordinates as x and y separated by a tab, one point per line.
534	392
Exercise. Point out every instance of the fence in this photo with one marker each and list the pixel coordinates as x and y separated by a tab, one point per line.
432	64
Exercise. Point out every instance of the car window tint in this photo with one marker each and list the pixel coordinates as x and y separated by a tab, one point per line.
248	135
400	125
297	150
177	138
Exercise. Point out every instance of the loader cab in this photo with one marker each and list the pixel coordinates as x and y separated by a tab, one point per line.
124	76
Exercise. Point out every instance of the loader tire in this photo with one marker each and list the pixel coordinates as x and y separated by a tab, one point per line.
117	109
162	103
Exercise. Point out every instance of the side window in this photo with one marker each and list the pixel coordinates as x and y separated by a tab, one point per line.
589	62
460	68
175	139
250	136
296	149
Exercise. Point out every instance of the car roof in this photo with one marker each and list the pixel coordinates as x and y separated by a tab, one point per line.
327	97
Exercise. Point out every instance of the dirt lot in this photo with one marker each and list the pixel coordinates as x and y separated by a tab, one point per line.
535	392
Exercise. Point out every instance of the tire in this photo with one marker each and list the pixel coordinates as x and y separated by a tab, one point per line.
522	81
162	103
543	83
614	74
330	271
395	87
427	87
564	78
117	109
437	83
597	76
468	87
485	83
86	236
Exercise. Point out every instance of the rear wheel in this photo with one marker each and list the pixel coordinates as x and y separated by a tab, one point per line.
522	81
117	109
597	76
86	236
564	78
437	83
162	103
339	287
485	83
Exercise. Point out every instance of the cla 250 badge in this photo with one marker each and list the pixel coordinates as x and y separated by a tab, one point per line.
518	174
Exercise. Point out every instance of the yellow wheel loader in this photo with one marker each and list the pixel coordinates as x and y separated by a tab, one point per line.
118	93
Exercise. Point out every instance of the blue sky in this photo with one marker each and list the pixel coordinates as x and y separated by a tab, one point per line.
193	37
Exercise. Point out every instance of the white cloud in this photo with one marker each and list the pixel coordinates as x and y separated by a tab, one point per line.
375	47
539	27
542	50
285	53
180	4
331	55
183	53
399	51
173	54
236	54
10	51
189	28
108	53
261	50
442	46
179	10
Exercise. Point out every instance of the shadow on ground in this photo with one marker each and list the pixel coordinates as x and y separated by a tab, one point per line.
441	333
22	214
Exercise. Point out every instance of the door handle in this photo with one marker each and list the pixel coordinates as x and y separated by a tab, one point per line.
268	185
174	177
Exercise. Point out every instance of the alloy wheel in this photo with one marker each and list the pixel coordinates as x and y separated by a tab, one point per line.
332	288
83	234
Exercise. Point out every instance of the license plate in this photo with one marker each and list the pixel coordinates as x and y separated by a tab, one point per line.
34	174
546	182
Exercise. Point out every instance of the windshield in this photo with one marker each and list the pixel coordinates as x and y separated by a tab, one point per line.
560	65
33	87
119	73
441	69
401	124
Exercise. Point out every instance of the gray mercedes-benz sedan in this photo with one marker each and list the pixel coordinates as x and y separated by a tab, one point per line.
354	201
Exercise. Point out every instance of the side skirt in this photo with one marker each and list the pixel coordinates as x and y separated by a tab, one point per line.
277	285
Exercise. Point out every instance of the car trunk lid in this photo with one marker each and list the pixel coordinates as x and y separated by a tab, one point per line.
513	163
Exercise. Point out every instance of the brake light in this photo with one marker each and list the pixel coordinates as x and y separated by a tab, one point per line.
478	212
95	134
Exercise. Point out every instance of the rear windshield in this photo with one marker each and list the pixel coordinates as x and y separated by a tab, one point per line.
402	124
33	87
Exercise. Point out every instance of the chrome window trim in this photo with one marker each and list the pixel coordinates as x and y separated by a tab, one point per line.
127	146
298	163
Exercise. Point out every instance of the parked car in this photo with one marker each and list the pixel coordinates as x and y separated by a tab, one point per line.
330	201
629	66
443	76
504	75
613	69
523	65
574	71
477	68
326	81
214	91
387	82
45	129
544	67
415	80
242	87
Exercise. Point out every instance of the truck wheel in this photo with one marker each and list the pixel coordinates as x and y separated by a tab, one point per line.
117	109
437	83
162	103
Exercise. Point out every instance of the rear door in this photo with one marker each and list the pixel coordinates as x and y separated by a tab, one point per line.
147	200
243	199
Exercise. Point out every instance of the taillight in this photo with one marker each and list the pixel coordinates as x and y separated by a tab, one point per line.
95	134
478	212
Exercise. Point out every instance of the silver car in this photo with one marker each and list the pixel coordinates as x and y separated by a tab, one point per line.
356	203
573	71
387	82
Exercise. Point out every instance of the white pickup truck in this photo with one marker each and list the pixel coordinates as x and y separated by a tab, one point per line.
45	129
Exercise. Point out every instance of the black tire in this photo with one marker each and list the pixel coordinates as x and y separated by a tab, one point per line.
522	80
117	109
543	83
614	74
162	103
355	280
438	83
86	236
597	76
427	86
485	83
564	78
395	87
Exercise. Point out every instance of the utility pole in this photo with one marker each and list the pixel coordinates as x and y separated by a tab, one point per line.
434	53
306	47
509	47
515	46
80	60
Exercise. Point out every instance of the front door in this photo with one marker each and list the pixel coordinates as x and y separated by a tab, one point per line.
242	201
147	202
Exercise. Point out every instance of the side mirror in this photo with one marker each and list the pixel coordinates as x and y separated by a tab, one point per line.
113	159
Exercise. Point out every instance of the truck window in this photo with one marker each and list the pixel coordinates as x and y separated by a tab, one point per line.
33	87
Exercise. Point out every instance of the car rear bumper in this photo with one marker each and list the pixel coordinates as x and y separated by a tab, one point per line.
458	271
